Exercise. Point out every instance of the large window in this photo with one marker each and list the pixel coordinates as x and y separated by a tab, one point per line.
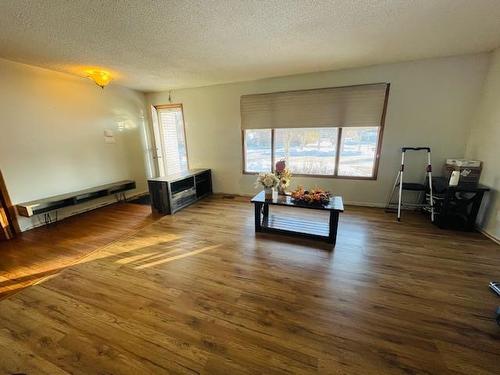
331	132
313	151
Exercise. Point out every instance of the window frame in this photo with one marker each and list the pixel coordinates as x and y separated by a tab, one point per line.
378	151
167	106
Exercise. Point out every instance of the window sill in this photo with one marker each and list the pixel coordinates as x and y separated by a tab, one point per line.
374	178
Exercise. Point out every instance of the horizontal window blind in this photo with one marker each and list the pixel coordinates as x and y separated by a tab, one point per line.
357	106
172	139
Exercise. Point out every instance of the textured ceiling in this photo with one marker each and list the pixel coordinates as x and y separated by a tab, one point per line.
157	45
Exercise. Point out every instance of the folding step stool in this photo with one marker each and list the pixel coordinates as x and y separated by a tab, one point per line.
411	186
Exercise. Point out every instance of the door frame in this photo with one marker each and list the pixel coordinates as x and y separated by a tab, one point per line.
8	213
159	155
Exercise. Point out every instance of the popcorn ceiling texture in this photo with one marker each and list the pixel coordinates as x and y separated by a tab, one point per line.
159	45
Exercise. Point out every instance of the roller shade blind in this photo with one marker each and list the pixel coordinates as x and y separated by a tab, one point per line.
361	105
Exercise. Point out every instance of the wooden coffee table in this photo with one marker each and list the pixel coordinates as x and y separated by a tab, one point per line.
293	225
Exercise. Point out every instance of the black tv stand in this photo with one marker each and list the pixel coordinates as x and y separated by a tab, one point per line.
172	193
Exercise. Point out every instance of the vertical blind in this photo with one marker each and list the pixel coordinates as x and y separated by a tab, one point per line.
361	105
173	143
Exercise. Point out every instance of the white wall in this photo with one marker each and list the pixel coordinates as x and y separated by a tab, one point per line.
431	103
51	134
484	145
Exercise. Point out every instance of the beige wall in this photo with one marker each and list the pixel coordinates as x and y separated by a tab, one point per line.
431	103
51	134
52	125
484	145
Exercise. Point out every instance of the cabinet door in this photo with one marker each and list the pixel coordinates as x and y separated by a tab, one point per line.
160	200
203	184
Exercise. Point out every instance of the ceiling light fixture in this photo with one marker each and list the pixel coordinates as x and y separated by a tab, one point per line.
101	78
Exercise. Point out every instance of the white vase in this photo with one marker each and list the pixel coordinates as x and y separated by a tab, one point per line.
268	193
455	178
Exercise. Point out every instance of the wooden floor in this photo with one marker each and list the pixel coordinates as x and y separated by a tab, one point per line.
197	292
41	252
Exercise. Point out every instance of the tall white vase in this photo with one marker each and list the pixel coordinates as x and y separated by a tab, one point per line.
269	193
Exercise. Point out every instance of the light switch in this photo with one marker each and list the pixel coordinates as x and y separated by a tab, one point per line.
109	136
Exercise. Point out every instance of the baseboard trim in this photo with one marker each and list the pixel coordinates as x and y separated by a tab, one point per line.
364	204
489	235
137	195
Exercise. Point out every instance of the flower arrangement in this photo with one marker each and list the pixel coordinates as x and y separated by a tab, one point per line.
314	196
283	175
267	180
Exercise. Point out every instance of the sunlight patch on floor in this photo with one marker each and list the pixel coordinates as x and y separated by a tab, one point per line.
135	258
132	244
176	257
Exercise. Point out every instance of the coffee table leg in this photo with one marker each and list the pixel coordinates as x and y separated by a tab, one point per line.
258	209
265	210
334	223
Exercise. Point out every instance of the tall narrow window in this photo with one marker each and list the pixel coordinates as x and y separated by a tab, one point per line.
172	141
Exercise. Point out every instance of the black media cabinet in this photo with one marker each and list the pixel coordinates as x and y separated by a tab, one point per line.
171	193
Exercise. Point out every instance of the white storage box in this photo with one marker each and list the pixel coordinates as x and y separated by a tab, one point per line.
463	163
470	170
